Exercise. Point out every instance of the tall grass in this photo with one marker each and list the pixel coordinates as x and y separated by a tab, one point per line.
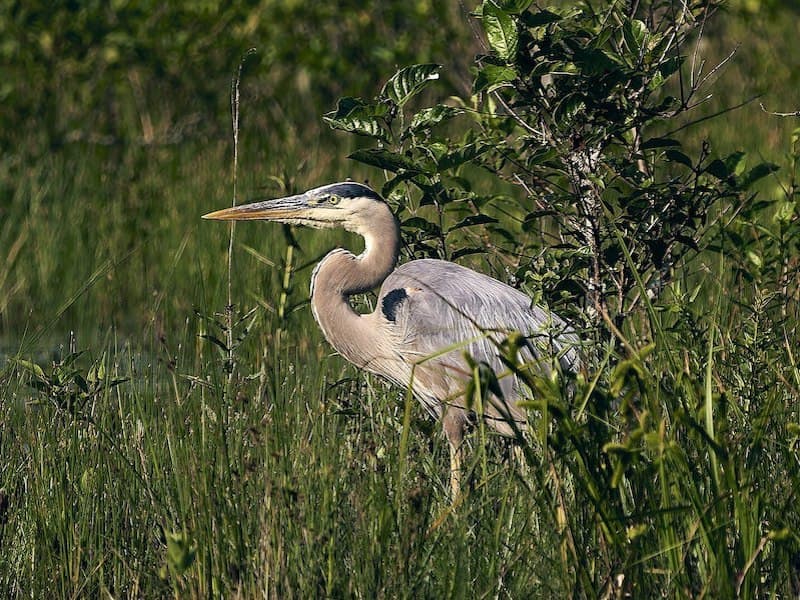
148	480
126	470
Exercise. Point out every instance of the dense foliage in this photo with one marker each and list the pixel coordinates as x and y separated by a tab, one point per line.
149	72
568	105
564	108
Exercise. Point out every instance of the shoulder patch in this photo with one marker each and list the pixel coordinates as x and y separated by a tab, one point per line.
391	303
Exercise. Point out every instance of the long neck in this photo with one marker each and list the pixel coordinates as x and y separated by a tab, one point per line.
341	274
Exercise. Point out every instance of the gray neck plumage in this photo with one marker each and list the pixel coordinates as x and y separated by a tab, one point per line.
341	274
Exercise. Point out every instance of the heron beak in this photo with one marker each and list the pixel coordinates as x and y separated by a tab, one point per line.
280	209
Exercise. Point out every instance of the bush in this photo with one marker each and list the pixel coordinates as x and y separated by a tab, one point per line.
604	218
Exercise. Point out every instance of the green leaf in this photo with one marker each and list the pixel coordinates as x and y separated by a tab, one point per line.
624	373
781	535
428	117
181	551
635	32
596	61
356	116
758	172
569	107
490	77
670	66
784	212
31	367
501	31
659	143
395	181
70	358
540	19
214	340
461	155
656	81
409	81
423	225
735	163
678	157
754	258
384	159
718	169
617	448
473	220
82	384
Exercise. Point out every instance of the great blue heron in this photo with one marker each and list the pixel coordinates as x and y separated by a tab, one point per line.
429	313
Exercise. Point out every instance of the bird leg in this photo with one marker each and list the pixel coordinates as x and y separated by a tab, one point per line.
453	423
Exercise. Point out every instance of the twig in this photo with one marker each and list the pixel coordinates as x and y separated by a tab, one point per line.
696	51
779	114
718	66
743	573
707	117
515	116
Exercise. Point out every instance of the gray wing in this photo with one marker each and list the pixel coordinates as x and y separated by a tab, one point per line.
437	310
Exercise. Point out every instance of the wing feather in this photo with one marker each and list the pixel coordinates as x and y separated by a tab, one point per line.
440	310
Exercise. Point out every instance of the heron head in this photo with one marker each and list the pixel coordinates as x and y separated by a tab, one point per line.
347	204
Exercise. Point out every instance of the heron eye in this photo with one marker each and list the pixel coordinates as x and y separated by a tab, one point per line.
333	200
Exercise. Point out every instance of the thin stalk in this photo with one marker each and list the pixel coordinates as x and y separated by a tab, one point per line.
284	298
235	126
709	404
479	408
403	452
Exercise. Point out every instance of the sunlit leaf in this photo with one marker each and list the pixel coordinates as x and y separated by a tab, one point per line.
501	30
785	212
356	116
428	117
754	258
409	81
31	367
736	163
181	551
617	448
635	32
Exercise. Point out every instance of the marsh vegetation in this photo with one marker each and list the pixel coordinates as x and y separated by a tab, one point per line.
158	438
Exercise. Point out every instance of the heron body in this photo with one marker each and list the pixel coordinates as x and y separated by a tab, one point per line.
428	316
